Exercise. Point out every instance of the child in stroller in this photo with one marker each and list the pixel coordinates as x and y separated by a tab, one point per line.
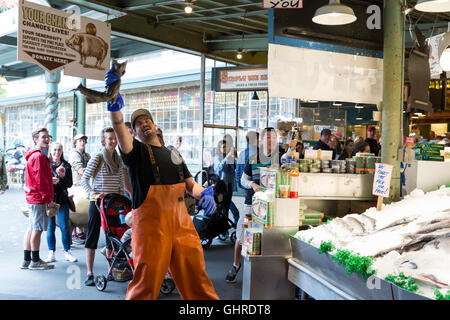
120	261
217	224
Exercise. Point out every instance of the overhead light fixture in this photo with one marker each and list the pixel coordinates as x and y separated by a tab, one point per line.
239	54
188	9
313	101
3	80
255	96
414	117
433	5
334	14
337	104
317	114
358	106
359	117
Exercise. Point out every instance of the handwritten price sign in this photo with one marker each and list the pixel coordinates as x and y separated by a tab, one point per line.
382	179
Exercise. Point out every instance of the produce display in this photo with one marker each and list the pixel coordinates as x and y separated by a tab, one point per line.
407	242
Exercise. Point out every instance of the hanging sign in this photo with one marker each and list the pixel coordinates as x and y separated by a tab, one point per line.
55	39
382	182
240	79
282	4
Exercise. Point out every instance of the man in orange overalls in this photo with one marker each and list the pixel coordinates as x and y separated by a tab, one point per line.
163	234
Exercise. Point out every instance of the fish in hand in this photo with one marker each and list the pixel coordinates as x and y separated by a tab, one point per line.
112	89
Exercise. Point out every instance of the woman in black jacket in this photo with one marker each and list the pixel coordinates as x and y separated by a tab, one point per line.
62	180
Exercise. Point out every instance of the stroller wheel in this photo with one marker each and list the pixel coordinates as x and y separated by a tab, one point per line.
206	243
168	286
100	282
223	236
233	237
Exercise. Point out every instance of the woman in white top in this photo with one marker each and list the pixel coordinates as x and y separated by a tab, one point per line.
106	171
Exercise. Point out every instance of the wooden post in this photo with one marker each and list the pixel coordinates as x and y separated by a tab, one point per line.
379	203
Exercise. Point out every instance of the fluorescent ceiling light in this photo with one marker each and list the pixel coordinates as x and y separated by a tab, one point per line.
312	101
337	104
334	14
358	106
433	5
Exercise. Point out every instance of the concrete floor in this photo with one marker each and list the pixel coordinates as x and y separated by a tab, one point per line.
66	281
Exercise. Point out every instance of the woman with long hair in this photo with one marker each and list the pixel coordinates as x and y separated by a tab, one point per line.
62	180
348	149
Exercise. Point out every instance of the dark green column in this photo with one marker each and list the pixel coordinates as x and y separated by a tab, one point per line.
393	25
51	101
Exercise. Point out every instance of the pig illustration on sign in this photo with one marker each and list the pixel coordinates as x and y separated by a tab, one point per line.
89	45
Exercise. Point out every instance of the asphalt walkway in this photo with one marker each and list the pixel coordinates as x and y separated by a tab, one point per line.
66	281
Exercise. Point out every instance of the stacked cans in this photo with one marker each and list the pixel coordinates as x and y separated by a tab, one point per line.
338	166
315	166
351	166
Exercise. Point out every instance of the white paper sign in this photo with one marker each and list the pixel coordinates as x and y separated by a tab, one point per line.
283	4
301	73
55	39
435	67
382	179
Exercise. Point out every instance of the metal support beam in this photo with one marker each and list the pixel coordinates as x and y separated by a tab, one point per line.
202	99
81	110
8	41
394	22
217	17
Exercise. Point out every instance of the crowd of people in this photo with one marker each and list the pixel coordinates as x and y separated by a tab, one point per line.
330	142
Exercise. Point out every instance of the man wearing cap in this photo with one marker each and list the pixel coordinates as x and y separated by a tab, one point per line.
373	143
78	159
163	234
322	144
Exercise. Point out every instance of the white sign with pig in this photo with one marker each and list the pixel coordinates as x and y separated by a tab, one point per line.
54	39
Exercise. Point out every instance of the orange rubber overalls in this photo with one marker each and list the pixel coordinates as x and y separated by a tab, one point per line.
164	238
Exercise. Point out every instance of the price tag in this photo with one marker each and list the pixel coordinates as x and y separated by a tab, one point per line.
382	182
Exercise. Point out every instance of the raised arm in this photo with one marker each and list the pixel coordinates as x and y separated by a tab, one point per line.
124	138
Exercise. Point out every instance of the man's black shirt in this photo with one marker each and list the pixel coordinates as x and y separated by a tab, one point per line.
374	147
323	146
140	171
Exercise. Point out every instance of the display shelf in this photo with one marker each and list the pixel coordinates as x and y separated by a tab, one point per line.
322	278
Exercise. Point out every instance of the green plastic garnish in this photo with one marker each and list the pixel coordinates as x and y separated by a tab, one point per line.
354	263
440	296
403	281
310	240
325	247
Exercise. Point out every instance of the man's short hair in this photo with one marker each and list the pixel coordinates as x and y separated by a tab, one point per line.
36	133
325	132
106	130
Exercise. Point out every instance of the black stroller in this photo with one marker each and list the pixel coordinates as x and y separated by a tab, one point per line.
218	224
120	260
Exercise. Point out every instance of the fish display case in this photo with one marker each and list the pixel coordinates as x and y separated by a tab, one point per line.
319	276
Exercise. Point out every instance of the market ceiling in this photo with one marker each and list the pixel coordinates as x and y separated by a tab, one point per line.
217	28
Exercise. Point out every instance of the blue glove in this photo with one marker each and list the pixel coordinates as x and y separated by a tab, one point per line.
111	77
117	105
207	201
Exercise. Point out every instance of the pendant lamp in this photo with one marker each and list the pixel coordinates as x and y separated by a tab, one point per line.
334	14
433	5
